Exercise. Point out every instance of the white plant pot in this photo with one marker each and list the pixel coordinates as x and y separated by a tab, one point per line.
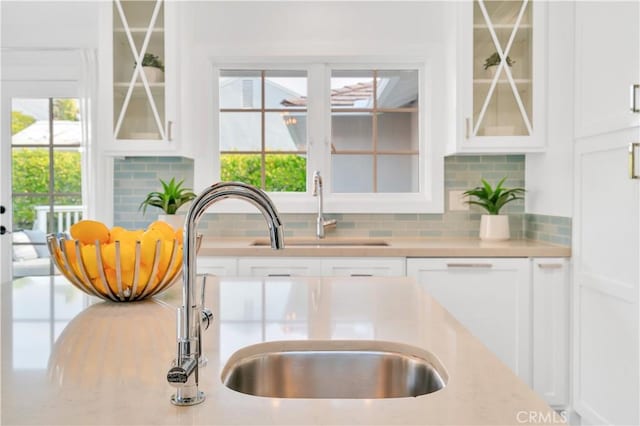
175	220
154	75
494	227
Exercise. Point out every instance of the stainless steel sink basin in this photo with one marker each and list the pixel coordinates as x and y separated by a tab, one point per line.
334	369
293	242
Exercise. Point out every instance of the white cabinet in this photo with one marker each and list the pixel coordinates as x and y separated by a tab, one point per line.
606	226
219	266
303	266
490	297
363	267
501	76
278	266
550	287
143	97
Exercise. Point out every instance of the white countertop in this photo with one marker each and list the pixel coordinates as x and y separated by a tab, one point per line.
69	359
400	247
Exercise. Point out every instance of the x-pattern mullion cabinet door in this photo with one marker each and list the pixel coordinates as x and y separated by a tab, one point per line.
501	76
143	115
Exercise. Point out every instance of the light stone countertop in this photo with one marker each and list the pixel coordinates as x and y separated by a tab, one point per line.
395	247
68	359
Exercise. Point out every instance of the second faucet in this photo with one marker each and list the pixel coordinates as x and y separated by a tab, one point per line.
321	224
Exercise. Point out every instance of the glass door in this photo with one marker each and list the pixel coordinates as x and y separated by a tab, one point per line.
502	68
41	166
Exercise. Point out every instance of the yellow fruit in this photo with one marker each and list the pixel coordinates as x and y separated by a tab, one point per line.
165	259
165	229
110	275
178	260
127	256
178	236
148	246
90	260
90	231
70	250
127	279
123	235
98	285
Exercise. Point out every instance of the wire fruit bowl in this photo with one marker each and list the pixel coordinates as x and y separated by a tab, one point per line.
118	271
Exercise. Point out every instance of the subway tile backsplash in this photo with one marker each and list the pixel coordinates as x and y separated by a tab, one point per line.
136	176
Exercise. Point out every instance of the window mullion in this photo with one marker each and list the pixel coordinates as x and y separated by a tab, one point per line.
316	124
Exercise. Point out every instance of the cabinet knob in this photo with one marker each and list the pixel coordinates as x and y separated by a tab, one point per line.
635	88
3	230
2	209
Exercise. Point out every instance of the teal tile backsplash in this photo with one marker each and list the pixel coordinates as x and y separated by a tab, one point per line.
136	176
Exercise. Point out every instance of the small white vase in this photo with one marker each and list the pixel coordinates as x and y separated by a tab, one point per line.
494	227
175	220
153	74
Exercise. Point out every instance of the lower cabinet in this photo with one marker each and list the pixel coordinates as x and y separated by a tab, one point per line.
490	297
220	266
302	266
278	266
550	285
518	307
363	267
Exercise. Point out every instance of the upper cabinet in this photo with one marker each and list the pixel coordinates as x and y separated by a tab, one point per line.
143	89
501	76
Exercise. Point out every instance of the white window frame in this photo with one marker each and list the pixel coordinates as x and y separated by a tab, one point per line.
429	198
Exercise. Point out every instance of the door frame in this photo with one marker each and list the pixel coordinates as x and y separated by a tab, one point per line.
11	90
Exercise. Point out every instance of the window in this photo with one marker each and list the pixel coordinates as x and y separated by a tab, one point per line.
263	137
364	127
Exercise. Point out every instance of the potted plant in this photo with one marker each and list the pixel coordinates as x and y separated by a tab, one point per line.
494	60
153	68
493	226
172	197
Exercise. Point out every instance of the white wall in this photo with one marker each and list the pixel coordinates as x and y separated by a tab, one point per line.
549	175
49	24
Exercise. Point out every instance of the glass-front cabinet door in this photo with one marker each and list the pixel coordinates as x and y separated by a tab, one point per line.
141	71
502	76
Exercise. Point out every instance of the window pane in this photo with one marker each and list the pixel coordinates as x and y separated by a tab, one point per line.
397	89
30	170
241	168
240	89
398	173
352	131
285	89
398	131
66	170
286	131
240	131
352	173
30	121
351	89
285	173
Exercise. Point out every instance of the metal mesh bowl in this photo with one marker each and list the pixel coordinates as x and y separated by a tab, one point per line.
130	280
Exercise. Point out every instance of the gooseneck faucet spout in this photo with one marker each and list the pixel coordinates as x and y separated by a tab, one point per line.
184	373
321	224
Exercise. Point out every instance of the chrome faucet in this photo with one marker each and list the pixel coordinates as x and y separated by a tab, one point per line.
321	224
191	316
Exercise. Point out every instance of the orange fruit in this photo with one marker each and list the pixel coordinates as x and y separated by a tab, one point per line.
90	231
164	228
69	250
123	235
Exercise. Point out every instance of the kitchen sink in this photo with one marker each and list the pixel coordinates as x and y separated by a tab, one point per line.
365	369
350	242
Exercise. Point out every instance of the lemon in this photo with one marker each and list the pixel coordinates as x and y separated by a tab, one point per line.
118	233
89	257
178	236
165	229
165	259
148	246
70	250
89	231
127	256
